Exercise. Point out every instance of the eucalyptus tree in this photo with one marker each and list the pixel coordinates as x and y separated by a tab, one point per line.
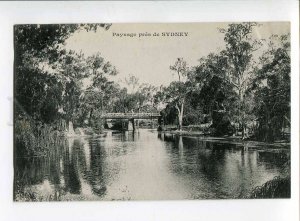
177	91
271	88
145	97
140	96
189	95
70	71
97	96
212	94
132	82
123	103
240	47
180	67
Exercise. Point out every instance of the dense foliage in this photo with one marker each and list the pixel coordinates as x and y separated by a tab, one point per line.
235	90
54	86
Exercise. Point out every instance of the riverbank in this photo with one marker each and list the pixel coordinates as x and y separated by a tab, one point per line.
237	140
85	131
249	143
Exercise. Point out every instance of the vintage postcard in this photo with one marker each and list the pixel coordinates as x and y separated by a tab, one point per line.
152	111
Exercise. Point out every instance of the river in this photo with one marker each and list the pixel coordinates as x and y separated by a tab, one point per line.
146	165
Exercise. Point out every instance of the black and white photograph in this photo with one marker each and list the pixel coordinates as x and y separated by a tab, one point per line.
152	111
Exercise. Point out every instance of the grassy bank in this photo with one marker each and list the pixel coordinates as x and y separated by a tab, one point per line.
205	135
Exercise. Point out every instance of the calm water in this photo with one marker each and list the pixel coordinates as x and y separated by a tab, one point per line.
146	166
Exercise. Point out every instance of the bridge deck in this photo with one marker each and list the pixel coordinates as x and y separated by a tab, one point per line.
130	115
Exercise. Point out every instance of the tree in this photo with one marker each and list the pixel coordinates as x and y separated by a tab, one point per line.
101	87
132	83
145	97
180	67
271	88
212	97
240	46
71	70
177	91
42	63
139	95
175	95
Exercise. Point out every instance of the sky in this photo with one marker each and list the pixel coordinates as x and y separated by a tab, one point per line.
149	57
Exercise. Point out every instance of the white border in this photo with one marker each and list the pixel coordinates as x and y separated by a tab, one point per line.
204	11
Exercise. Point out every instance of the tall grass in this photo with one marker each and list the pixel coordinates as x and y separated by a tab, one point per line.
33	138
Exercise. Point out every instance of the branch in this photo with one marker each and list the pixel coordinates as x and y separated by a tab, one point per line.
231	82
178	109
287	119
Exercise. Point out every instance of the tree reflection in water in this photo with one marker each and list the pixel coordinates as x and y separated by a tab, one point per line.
96	178
145	165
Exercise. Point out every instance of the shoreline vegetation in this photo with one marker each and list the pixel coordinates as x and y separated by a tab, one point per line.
34	139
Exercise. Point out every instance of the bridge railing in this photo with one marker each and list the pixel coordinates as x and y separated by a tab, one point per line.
130	115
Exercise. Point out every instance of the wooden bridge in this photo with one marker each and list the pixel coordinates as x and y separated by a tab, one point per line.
130	116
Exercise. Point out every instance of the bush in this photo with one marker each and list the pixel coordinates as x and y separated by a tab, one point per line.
275	188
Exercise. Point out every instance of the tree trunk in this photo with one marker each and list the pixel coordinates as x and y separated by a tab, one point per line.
180	115
179	121
242	123
71	128
90	117
137	120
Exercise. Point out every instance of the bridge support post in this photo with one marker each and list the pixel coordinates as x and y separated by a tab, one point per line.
160	124
137	125
131	126
124	126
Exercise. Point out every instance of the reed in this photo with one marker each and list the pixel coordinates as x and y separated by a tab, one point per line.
34	138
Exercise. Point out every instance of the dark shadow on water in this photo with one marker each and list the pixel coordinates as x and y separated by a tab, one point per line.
96	175
71	175
225	169
206	170
274	158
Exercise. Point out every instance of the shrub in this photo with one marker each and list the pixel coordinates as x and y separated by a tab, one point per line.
275	188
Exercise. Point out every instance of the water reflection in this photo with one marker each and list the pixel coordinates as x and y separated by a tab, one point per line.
95	175
145	165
